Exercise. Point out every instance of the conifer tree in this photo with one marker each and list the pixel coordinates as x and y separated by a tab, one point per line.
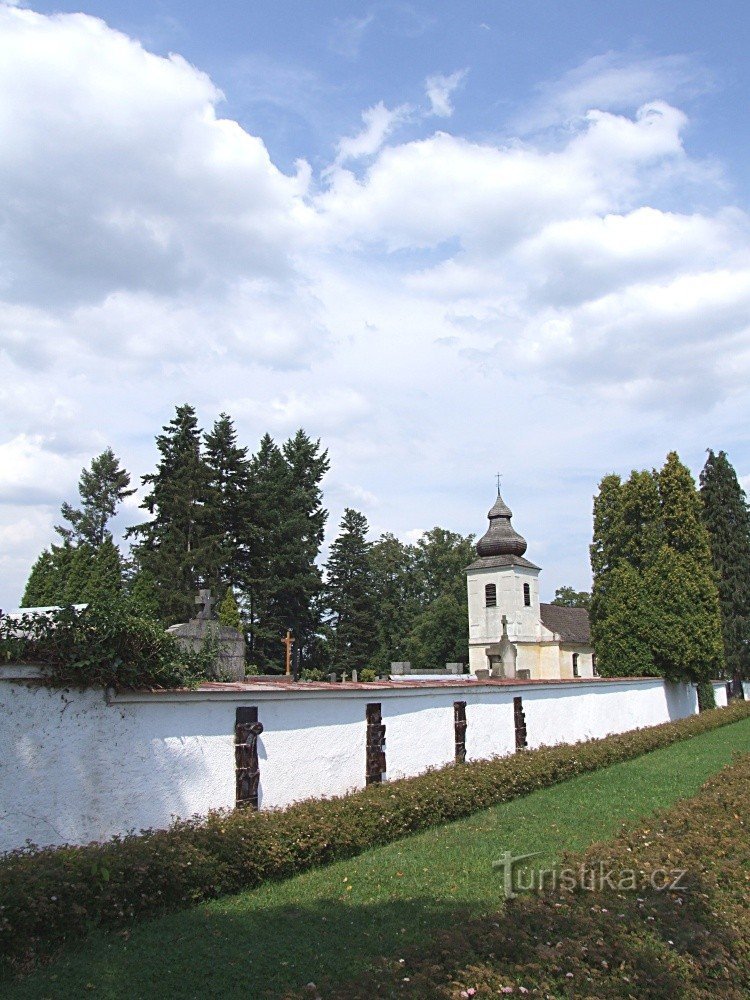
228	512
654	606
351	615
102	489
43	588
229	613
727	519
268	497
171	547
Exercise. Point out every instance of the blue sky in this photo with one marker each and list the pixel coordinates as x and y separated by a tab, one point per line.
447	238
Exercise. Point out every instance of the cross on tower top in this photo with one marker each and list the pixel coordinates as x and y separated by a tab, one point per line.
499	476
204	598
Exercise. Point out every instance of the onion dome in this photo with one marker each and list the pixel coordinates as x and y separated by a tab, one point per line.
501	538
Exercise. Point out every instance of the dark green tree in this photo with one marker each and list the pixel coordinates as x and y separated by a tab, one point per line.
395	598
42	585
268	498
727	519
569	597
440	635
351	617
171	547
440	558
102	489
654	605
228	516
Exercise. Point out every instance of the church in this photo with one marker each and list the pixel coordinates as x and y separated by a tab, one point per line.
512	634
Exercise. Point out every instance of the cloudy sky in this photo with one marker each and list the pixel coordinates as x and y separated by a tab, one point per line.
448	238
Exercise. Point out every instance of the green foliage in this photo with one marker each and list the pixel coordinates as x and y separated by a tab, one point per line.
687	943
439	635
171	546
706	696
100	646
654	604
367	675
727	519
52	896
284	581
567	597
229	522
418	587
46	583
229	613
102	489
352	615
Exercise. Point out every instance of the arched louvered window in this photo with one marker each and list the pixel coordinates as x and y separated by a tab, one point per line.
490	596
527	595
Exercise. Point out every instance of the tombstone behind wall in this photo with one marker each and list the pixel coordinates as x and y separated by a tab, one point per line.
202	631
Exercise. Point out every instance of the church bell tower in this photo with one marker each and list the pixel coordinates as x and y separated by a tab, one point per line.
503	588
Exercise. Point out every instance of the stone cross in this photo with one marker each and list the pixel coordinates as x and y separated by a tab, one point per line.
204	598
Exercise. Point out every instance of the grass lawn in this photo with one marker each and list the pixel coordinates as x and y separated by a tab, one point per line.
332	922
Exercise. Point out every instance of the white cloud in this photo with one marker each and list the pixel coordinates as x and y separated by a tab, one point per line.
439	90
379	122
612	81
450	307
348	33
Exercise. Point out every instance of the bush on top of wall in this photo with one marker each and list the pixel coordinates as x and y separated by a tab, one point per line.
102	645
54	895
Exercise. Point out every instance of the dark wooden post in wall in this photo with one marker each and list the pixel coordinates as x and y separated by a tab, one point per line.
519	721
459	726
375	754
247	729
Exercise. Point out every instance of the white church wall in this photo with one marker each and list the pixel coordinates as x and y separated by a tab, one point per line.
76	767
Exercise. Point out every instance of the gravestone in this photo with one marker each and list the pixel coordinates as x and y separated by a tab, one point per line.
203	631
503	655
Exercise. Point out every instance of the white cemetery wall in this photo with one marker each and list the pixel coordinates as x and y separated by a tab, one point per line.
76	767
720	693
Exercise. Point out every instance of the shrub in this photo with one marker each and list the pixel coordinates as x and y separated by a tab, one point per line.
103	645
52	896
601	941
706	696
367	674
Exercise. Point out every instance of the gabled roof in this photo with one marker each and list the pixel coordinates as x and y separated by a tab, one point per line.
571	624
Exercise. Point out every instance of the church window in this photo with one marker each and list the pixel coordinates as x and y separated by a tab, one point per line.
576	671
527	595
490	596
593	665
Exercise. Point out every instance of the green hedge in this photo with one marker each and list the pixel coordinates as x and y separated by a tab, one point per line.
103	645
51	896
645	942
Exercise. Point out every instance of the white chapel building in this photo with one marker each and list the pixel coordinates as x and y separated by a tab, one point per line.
511	634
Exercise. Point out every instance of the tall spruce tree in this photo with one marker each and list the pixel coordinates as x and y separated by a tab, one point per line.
87	567
351	614
727	519
102	489
268	497
171	547
228	516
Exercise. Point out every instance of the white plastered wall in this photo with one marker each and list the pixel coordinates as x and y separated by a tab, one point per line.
76	767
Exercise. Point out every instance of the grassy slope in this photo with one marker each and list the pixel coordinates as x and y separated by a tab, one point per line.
333	921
